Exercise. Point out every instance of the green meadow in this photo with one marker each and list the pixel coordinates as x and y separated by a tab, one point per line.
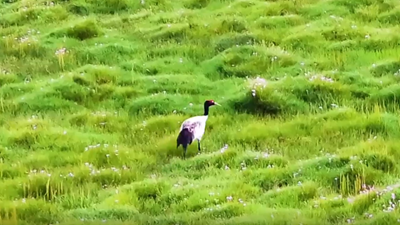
92	94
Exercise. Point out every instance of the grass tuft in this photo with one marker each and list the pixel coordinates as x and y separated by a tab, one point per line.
82	30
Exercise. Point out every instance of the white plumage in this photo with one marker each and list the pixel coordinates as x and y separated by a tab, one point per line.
193	129
196	126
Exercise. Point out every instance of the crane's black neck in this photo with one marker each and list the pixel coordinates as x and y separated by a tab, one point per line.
206	107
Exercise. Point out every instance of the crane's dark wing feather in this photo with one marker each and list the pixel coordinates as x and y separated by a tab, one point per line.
185	138
187	132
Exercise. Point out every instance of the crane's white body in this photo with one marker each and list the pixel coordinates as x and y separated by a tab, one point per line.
196	126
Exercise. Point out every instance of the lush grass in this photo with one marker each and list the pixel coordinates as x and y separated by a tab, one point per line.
88	133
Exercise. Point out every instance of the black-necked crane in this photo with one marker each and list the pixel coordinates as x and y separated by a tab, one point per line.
193	129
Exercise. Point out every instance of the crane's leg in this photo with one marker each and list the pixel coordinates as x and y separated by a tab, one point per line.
198	146
184	151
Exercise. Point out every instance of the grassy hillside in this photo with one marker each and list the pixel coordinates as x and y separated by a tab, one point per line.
93	93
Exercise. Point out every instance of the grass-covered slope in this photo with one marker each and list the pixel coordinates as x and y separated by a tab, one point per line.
92	94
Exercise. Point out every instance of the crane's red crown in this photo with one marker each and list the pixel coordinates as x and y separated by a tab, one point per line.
209	102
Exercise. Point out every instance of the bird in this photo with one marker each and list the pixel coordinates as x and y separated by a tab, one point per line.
193	129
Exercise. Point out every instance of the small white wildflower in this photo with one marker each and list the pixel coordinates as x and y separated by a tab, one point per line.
224	148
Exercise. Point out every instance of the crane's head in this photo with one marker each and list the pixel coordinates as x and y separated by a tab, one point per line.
209	103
